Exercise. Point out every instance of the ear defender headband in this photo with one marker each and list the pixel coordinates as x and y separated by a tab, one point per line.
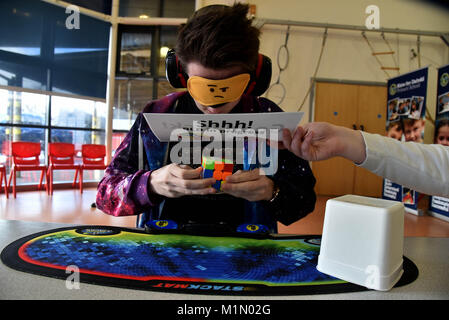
258	83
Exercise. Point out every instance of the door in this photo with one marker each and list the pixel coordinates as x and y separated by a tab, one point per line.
354	106
372	119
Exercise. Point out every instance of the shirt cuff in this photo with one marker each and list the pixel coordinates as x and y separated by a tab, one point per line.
143	197
370	157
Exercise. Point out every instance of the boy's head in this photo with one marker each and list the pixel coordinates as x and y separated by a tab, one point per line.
413	129
219	37
218	43
394	130
442	132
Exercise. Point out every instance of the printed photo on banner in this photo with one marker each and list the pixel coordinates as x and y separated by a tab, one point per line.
416	107
443	103
404	107
393	110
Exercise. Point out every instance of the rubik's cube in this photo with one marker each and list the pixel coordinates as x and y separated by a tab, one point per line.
217	169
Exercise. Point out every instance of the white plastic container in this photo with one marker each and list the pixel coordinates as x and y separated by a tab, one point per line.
362	241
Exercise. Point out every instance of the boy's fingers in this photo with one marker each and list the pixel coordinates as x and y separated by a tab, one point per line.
185	172
195	184
243	176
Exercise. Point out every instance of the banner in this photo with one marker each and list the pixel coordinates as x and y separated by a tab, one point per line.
409	99
439	206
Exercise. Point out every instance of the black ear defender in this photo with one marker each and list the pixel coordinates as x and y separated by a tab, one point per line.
174	73
258	84
261	77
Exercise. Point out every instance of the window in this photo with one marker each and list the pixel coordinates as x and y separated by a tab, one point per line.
55	68
131	95
141	72
26	118
38	51
135	52
77	113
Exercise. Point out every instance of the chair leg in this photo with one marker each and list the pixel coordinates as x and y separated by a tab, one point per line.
3	179
81	180
41	179
50	182
47	181
6	186
14	183
10	177
47	187
74	179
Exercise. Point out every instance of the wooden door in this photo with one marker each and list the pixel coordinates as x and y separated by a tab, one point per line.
335	103
351	106
371	118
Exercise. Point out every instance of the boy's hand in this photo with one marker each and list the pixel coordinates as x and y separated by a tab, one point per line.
175	180
250	185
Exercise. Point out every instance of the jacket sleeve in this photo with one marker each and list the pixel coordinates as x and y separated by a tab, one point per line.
421	167
296	182
123	191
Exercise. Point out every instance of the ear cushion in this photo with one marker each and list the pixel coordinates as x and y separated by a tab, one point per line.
259	83
174	72
260	80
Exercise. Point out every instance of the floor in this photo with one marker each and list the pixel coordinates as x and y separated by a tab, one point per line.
69	206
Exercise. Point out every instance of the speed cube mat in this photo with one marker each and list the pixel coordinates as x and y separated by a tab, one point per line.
130	258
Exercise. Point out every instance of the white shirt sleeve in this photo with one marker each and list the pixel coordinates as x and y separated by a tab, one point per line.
421	167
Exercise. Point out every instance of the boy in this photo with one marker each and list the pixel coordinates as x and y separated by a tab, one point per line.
394	130
217	43
413	129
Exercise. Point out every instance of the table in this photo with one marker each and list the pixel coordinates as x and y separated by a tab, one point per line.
431	256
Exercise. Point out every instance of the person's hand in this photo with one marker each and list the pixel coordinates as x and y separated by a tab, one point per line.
321	141
175	180
316	141
251	185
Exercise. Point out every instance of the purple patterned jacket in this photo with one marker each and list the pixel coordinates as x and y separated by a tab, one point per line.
124	191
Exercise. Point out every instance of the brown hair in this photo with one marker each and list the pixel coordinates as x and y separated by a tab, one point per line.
394	124
440	124
409	122
219	36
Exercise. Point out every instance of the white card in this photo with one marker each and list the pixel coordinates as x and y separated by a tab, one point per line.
164	124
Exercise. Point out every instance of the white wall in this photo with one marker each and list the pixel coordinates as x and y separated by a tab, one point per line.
346	55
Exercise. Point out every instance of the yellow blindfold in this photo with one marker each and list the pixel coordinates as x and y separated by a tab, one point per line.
210	92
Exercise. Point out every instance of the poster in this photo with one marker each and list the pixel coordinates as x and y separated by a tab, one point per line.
164	124
407	105
439	206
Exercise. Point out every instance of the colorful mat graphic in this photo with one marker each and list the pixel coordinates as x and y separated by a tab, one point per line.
181	263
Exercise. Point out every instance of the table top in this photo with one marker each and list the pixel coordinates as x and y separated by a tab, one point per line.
429	254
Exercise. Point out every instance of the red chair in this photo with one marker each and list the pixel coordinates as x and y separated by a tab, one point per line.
26	158
93	159
61	157
3	179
